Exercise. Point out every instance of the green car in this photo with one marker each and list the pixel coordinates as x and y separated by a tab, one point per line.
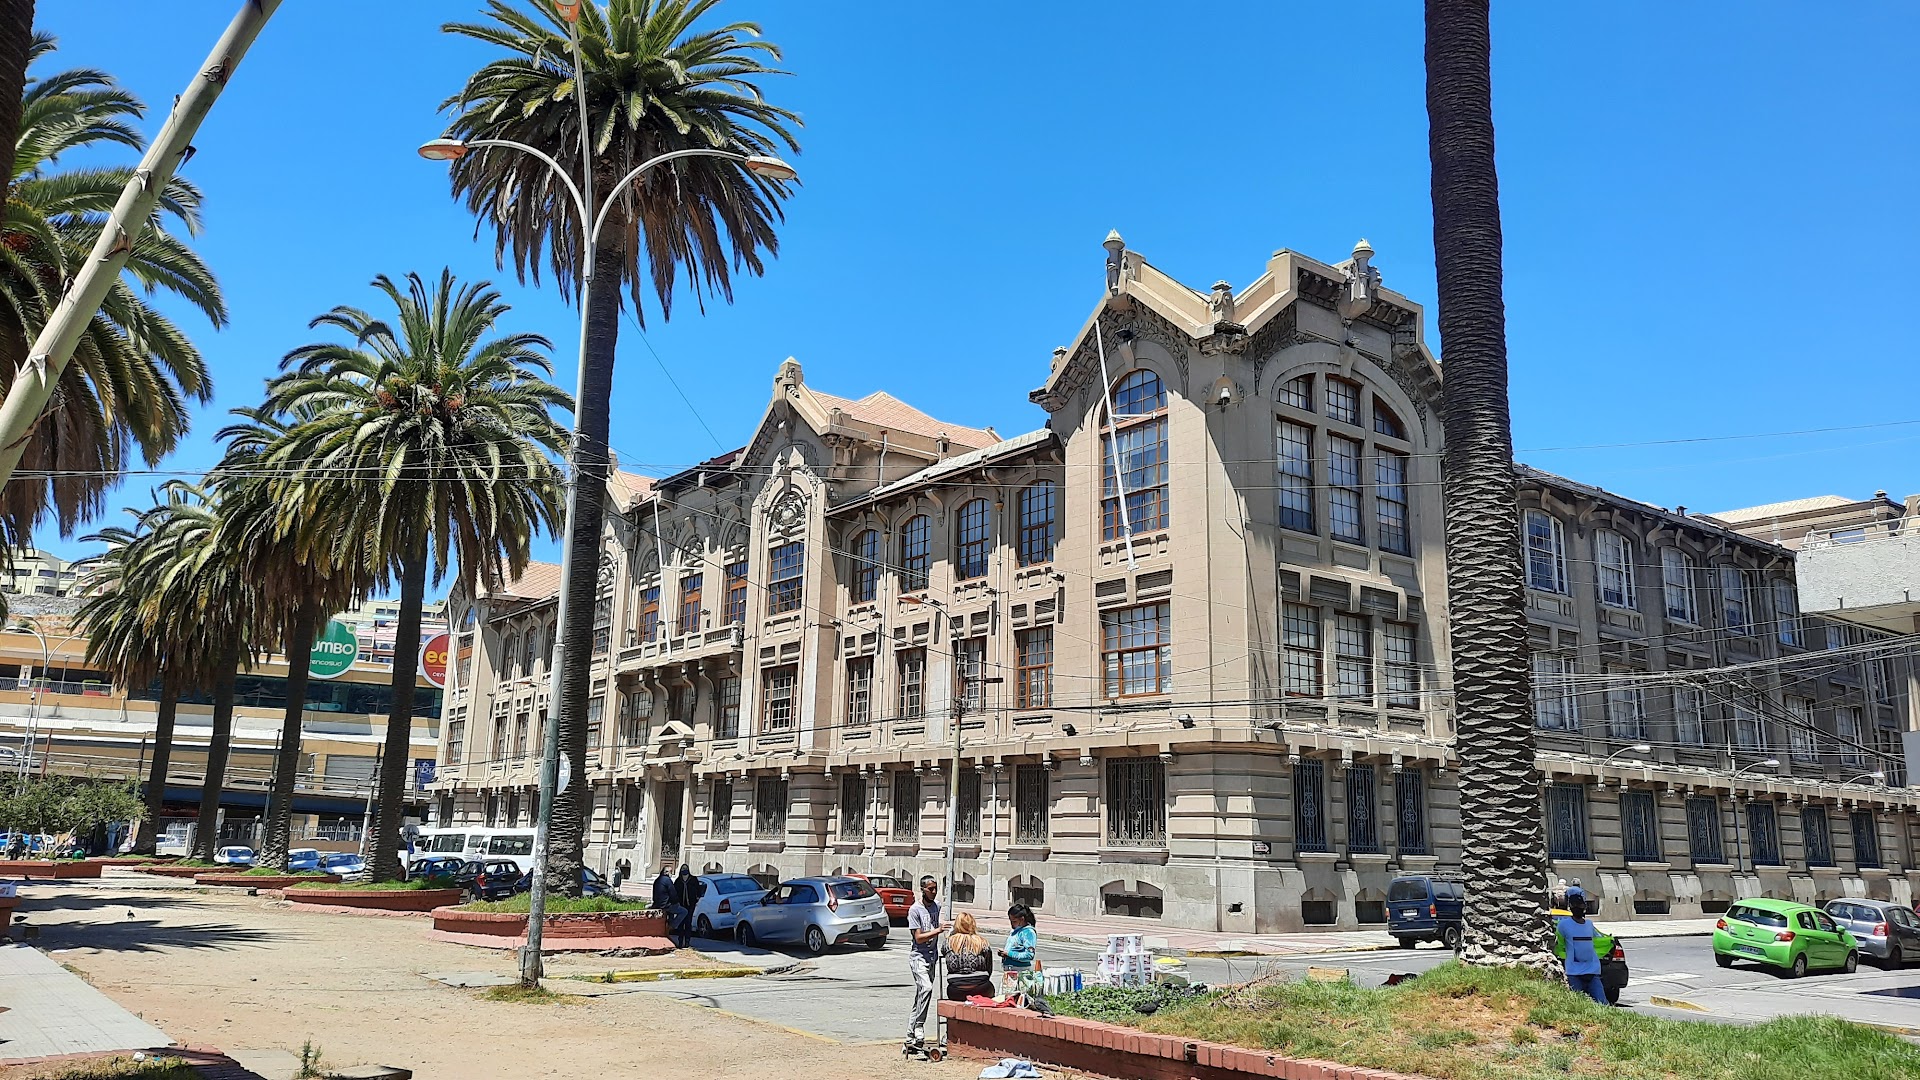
1783	934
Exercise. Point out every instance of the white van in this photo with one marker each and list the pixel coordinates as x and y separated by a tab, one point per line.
447	841
514	844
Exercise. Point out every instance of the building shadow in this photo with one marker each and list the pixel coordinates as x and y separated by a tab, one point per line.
30	904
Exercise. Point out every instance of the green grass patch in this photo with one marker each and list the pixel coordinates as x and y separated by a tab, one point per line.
1461	1023
535	995
123	1068
201	863
268	871
415	885
557	905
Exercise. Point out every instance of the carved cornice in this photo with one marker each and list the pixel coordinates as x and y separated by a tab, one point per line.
1139	322
1326	292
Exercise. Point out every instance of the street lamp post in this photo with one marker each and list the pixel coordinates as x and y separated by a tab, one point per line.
33	699
1636	748
1877	776
1739	849
448	149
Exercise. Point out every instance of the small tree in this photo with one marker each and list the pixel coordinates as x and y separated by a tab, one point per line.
64	804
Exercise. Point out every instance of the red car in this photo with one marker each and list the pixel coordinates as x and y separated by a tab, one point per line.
896	894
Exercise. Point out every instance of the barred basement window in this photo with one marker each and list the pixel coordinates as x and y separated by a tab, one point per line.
1704	839
1310	806
1567	821
853	807
719	810
906	808
1764	826
770	808
1300	650
1136	802
1410	812
1363	830
966	827
1817	835
1030	805
1640	826
1866	840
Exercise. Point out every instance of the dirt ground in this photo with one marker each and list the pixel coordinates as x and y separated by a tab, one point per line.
235	972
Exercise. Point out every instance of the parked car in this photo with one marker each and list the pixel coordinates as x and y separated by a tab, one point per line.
1421	907
447	866
343	863
726	896
488	879
896	894
1887	932
1613	959
1783	934
233	856
303	860
591	883
816	912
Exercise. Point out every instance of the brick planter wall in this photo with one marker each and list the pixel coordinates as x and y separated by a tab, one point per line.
1126	1053
605	924
164	870
49	868
378	899
260	881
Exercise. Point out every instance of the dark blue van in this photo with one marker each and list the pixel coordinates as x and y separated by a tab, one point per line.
1421	907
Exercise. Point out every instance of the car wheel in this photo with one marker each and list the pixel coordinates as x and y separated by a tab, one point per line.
744	934
876	943
703	926
1799	967
1613	995
1450	937
1893	957
1723	959
816	941
1852	963
1406	942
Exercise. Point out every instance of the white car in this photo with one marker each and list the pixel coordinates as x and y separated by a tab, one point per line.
726	896
236	856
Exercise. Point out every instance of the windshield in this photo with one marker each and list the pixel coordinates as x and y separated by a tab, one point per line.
1407	889
1756	916
448	842
731	886
510	845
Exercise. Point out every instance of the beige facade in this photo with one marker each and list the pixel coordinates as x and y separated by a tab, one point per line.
1210	689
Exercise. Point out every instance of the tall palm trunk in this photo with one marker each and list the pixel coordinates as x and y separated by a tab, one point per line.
571	807
1501	838
395	756
146	838
206	835
286	762
16	40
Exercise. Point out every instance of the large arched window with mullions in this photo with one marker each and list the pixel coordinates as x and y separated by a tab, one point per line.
915	538
1134	458
973	540
866	566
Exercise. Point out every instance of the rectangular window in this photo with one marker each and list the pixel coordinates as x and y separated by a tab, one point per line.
1390	502
1546	553
1690	716
1343	401
596	714
456	741
1626	704
1136	650
1300	650
969	668
1034	678
680	704
1136	802
1613	566
776	698
916	545
1296	476
860	691
1676	580
1402	665
770	808
1363	804
1816	835
1554	706
719	809
973	540
1038	503
736	593
1567	821
1352	658
1310	806
1640	826
1749	730
1030	805
1866	840
1344	457
690	604
912	686
650	613
726	723
966	827
906	808
853	808
1298	393
1141	451
1786	609
1733	594
1803	743
522	727
1410	811
866	567
786	574
1851	734
499	748
1703	829
1764	827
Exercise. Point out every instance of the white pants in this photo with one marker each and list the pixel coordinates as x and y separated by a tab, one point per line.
922	995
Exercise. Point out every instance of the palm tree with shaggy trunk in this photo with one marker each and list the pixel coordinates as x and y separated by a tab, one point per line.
1503	848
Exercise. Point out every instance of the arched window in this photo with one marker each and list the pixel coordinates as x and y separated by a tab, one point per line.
1385	422
509	654
914	538
529	664
1037	503
1134	458
866	566
970	558
553	643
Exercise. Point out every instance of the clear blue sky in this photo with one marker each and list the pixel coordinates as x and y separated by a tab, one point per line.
1708	207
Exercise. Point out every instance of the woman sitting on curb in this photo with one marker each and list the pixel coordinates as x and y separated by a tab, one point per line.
969	961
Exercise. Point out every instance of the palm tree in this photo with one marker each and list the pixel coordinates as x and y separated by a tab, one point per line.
1503	849
16	51
135	373
656	83
426	444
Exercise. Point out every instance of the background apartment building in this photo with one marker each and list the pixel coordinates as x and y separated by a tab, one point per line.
1191	637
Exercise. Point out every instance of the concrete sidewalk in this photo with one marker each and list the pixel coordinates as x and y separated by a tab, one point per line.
1179	942
52	1012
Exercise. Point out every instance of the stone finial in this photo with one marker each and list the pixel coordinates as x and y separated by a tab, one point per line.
1221	303
1059	357
1361	284
1115	248
789	375
1362	251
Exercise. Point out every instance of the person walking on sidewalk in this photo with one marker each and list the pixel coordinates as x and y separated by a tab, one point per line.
1583	958
924	927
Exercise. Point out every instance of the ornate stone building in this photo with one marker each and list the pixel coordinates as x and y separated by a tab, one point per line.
1189	639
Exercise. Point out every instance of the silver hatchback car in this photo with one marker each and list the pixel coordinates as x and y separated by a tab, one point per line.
1889	933
816	912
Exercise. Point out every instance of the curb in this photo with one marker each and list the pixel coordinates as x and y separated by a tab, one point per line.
666	976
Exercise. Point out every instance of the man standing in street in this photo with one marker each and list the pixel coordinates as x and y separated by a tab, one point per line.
666	899
924	927
1582	957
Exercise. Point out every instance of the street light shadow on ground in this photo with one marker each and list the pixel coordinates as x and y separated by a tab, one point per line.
148	935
